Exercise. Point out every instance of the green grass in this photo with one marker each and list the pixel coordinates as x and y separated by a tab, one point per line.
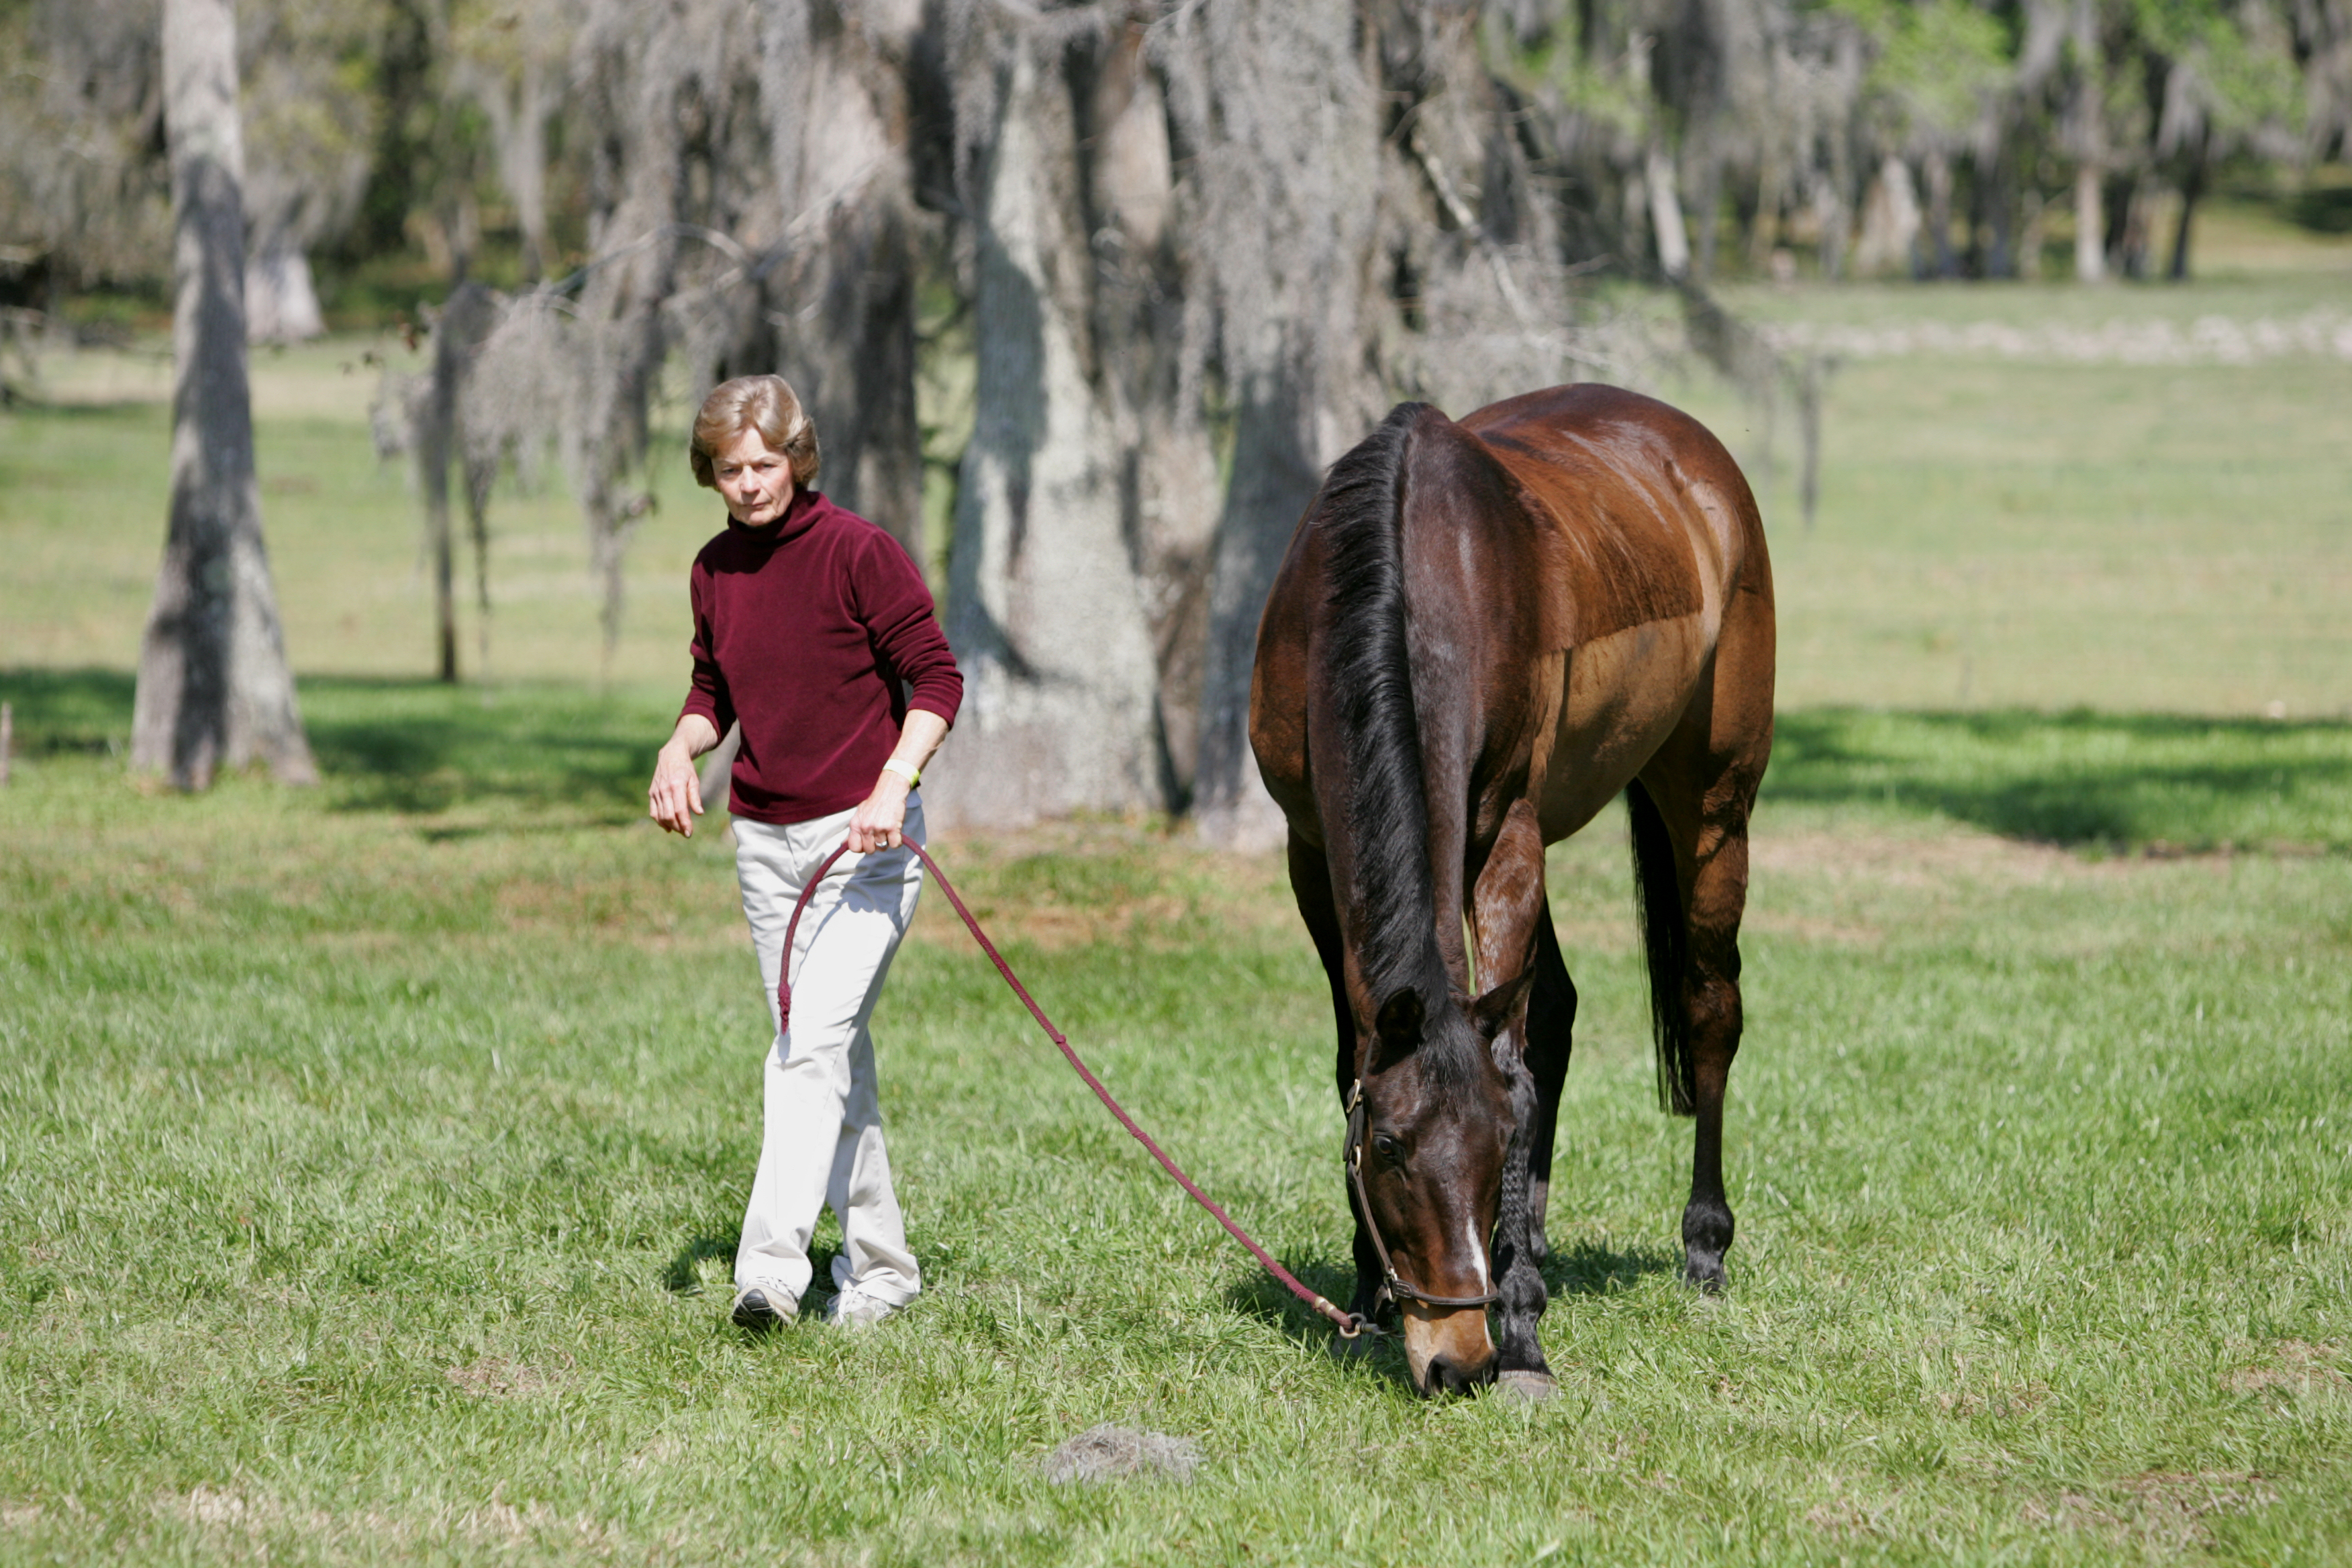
370	1163
371	1156
2047	536
84	480
2152	783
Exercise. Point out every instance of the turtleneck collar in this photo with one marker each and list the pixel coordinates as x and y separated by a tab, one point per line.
791	525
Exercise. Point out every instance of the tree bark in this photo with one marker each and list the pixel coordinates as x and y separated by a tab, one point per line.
834	90
1290	132
1940	260
2192	187
281	302
1146	328
1276	472
465	320
1046	604
2090	228
213	688
1666	211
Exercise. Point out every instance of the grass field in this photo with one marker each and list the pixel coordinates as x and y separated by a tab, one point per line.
371	1156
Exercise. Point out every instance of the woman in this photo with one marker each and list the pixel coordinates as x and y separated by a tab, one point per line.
811	627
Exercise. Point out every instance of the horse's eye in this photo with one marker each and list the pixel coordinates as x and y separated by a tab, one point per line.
1390	1149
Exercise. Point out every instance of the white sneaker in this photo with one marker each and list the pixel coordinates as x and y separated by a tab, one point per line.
854	1308
764	1306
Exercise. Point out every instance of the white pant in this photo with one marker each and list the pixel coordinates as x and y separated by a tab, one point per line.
822	1142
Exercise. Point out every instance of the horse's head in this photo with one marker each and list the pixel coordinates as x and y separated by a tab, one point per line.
1438	1114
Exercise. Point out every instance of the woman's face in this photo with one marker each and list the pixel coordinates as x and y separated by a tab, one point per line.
754	478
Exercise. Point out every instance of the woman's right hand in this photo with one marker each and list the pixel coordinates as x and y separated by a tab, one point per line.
675	797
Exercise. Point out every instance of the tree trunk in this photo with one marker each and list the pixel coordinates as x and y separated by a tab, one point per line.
518	106
1045	605
2090	228
1940	261
1288	118
465	320
2192	187
213	688
281	304
1171	492
1666	211
833	89
1890	223
522	163
1706	204
1276	472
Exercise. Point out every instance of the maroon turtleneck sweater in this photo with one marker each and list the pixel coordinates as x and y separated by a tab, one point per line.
810	630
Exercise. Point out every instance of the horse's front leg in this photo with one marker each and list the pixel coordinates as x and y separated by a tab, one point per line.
1509	910
1310	884
1550	1032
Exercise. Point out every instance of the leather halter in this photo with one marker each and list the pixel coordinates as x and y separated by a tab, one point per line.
1395	1288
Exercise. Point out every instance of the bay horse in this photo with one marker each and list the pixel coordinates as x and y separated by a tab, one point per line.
1480	634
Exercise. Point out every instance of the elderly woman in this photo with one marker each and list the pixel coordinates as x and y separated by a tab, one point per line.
815	631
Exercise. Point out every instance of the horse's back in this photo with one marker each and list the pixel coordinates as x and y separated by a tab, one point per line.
1659	521
1612	532
1654	539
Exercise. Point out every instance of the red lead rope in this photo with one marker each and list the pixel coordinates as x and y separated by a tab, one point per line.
1349	1324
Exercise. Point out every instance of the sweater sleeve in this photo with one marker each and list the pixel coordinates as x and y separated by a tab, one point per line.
897	608
707	694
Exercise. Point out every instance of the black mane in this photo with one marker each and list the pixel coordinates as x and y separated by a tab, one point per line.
1391	904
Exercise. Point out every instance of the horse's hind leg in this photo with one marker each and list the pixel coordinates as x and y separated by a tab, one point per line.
1718	896
1703	828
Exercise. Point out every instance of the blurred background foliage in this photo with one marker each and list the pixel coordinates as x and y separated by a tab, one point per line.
396	146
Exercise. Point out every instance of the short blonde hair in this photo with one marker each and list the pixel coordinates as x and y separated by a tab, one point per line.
763	402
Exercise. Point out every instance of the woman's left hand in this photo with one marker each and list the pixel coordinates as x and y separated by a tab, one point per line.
878	823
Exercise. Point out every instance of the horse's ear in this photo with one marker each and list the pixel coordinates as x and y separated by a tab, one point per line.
1495	1009
1397	1030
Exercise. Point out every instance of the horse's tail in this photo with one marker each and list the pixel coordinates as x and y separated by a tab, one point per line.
1658	895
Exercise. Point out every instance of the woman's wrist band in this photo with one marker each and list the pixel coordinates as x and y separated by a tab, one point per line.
908	771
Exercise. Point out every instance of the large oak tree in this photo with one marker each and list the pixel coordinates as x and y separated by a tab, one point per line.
213	688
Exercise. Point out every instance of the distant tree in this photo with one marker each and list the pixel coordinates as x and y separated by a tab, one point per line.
214	689
2224	82
83	182
512	58
83	175
309	144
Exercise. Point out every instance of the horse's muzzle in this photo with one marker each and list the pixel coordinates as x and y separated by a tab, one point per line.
1448	1349
1446	1375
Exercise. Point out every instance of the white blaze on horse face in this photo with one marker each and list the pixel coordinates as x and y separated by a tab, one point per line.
1478	1251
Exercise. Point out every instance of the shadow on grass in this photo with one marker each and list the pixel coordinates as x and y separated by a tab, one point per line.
422	747
1261	1296
2116	781
402	745
66	710
2078	778
1584	1269
683	1277
683	1274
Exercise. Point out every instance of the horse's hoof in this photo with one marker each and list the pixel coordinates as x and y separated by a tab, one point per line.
1525	1387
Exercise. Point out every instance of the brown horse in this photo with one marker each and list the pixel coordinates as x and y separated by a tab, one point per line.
1481	633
